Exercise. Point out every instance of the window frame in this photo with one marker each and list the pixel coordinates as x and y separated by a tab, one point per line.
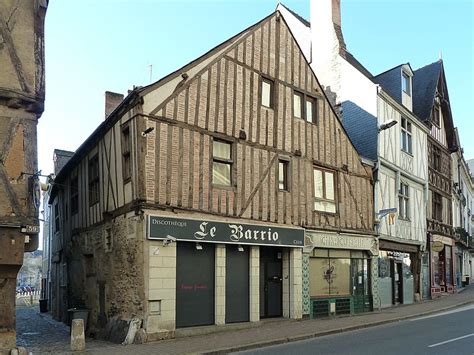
264	79
436	158
286	174
406	131
57	222
407	80
220	160
74	195
126	152
305	98
324	198
94	181
404	200
437	200
436	115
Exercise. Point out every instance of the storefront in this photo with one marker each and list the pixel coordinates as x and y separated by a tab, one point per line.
442	265
399	267
339	273
204	272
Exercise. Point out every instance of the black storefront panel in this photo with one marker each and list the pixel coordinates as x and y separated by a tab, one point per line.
237	284
271	287
194	284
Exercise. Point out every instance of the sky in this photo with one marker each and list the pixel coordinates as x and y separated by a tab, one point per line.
111	45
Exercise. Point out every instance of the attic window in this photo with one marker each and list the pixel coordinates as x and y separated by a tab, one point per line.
406	87
436	115
267	92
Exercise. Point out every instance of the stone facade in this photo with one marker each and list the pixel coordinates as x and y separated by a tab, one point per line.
21	104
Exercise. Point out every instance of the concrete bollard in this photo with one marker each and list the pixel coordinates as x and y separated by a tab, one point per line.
78	340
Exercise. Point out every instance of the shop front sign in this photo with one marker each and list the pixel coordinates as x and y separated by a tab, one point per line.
437	246
343	241
223	232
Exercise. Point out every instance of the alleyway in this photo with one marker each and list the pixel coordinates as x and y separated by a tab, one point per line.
42	335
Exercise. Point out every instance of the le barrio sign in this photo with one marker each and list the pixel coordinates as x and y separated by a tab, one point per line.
223	232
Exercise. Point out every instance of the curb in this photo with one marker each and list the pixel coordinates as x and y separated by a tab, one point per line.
284	340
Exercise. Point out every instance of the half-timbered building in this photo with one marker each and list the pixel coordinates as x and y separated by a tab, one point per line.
22	93
370	106
190	203
431	104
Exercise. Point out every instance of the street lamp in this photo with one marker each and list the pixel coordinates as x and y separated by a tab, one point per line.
387	125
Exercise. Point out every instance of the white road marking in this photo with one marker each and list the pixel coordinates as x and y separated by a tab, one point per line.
465	308
451	340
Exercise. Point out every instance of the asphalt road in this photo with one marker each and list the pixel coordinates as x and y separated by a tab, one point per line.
450	332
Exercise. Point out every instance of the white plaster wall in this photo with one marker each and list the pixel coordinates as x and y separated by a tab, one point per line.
301	32
357	88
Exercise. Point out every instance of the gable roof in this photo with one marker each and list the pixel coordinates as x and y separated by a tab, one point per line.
425	82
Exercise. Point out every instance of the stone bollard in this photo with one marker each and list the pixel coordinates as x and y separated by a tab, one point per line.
78	340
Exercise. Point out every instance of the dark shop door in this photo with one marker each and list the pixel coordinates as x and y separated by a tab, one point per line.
397	282
194	284
237	297
270	282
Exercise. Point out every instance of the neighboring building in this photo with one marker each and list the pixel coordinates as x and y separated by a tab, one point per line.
21	104
367	104
431	105
462	195
31	271
191	204
51	245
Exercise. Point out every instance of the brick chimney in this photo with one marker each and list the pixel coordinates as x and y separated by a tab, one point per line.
112	100
327	45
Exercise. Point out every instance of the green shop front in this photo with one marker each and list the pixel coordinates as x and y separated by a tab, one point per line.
337	273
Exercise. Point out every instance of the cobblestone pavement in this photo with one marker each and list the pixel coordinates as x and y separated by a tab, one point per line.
42	335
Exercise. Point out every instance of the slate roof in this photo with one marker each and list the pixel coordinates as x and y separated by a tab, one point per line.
425	81
391	81
362	129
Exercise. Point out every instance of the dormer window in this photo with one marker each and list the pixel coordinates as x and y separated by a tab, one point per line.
406	85
436	115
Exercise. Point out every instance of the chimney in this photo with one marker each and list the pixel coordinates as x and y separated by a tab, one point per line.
112	100
327	44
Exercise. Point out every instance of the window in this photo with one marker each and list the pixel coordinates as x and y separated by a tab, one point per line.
404	201
283	183
406	87
126	147
436	158
74	195
337	272
324	191
267	92
56	217
437	207
436	115
93	180
221	163
305	107
406	136
298	105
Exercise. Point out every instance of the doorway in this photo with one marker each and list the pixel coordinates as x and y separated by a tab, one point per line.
271	294
237	283
397	279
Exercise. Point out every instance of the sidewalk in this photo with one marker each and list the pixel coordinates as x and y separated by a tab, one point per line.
273	331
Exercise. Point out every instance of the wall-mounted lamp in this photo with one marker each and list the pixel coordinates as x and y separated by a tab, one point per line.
387	125
240	248
147	131
198	246
168	240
